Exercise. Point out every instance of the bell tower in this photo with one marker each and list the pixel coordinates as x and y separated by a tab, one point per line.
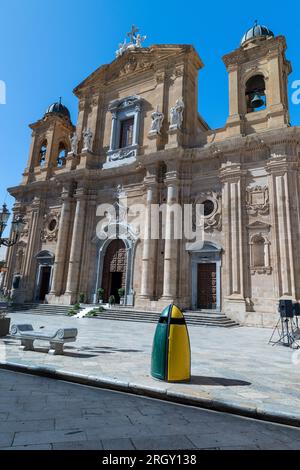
50	143
258	73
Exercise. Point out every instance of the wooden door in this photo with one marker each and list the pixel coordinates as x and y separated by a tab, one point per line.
207	286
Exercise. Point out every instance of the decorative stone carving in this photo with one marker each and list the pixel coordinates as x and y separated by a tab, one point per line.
135	42
122	48
87	140
121	154
176	115
160	77
50	226
24	233
119	192
74	143
157	121
213	219
257	200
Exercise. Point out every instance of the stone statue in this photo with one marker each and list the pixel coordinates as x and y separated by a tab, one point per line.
74	143
139	39
176	115
122	49
88	140
157	120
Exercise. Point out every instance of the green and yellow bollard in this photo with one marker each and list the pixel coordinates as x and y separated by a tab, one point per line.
171	352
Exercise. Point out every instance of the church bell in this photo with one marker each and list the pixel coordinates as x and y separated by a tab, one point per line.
256	101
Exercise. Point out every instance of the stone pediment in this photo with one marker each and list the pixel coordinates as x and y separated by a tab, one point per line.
133	62
258	225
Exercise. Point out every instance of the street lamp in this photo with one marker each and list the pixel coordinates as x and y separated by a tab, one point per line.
18	226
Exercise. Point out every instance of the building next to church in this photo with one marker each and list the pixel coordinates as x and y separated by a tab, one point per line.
139	135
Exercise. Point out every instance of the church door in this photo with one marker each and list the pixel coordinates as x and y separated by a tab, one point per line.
206	286
45	282
114	269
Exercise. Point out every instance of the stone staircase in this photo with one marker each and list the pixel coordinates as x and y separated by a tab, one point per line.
192	317
41	309
198	318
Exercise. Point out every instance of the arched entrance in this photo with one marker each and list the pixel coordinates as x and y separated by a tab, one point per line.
114	269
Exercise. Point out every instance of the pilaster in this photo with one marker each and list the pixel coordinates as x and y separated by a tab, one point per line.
233	179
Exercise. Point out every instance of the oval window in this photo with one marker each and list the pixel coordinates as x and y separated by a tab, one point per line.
52	225
208	207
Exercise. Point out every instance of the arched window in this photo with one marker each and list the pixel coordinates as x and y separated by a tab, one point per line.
62	154
255	93
42	153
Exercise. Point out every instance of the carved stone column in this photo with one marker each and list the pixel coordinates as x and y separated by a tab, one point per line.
76	246
233	178
61	247
149	245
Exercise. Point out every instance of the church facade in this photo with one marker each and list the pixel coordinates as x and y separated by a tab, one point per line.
139	138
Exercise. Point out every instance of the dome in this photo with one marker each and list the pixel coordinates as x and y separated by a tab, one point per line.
58	108
257	31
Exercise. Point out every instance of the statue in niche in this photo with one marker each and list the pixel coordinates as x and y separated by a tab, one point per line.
157	121
74	143
176	115
88	139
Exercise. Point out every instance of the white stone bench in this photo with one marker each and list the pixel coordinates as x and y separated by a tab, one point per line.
57	338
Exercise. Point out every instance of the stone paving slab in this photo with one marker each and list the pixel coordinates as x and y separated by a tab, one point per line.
233	370
137	423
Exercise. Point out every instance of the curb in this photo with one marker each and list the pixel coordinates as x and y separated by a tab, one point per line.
155	392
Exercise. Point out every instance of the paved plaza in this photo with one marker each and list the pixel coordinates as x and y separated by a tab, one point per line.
43	414
234	367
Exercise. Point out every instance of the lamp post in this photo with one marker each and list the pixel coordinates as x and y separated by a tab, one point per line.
18	225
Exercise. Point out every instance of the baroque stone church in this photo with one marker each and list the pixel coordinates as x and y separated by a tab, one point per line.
139	135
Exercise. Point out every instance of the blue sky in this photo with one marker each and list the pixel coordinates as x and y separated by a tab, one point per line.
49	46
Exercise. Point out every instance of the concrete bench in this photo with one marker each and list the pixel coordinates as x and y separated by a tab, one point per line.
57	338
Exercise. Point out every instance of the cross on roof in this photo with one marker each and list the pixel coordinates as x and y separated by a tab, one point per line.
132	33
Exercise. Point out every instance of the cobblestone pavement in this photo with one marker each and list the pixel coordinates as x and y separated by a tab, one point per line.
234	366
43	413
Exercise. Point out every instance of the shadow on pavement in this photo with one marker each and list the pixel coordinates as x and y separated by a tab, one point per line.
202	380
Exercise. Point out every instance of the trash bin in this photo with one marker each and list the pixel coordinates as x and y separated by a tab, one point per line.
171	352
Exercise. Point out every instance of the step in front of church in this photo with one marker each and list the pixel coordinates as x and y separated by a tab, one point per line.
118	313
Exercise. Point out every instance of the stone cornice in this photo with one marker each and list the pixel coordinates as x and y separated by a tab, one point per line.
280	164
49	121
231	171
264	49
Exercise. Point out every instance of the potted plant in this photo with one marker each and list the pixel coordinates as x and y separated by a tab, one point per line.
121	293
81	298
100	293
111	300
4	324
